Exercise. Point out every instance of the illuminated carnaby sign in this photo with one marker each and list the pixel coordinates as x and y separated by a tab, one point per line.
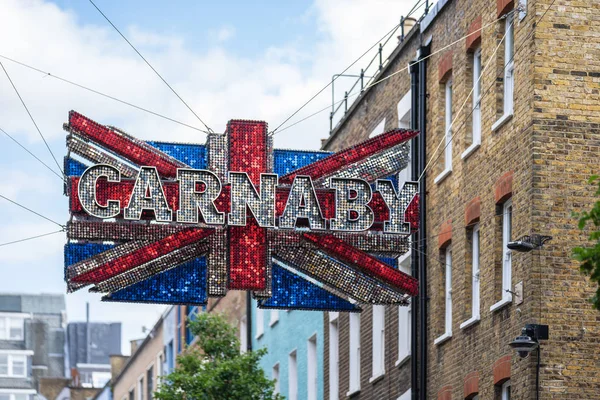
178	223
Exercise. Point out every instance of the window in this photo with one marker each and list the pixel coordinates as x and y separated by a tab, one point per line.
275	377
378	341
170	358
506	296
509	74
334	356
404	107
447	297
260	322
506	390
404	324
243	335
312	368
274	317
159	364
476	116
150	383
447	132
140	388
354	353
11	328
292	376
13	365
131	395
475	314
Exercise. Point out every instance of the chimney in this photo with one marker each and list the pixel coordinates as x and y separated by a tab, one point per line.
117	362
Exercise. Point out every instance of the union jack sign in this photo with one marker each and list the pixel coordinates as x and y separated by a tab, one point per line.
172	223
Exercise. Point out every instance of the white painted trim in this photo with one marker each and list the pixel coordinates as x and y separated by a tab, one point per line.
442	176
501	121
16	315
470	150
19	352
352	393
379	129
501	304
18	391
377	378
446	336
401	362
471	321
405	396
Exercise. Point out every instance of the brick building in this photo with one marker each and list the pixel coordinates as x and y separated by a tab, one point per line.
508	155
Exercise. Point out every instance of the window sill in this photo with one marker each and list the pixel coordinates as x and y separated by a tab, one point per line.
445	337
402	361
353	392
442	176
470	322
501	304
259	335
470	150
501	121
377	378
272	323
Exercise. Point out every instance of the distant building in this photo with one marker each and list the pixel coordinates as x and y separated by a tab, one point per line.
32	343
90	345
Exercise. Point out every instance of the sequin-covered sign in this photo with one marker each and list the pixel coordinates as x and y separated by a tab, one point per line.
176	223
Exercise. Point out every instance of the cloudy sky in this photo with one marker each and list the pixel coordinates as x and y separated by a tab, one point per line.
227	59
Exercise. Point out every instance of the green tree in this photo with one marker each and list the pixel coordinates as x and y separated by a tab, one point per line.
214	369
589	256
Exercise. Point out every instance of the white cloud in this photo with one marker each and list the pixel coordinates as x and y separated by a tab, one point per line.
218	84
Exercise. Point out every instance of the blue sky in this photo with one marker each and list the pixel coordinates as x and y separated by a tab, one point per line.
255	60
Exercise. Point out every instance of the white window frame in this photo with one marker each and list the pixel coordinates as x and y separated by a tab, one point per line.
354	354
8	320
151	366
293	375
406	395
476	116
404	321
447	298
334	357
404	107
10	359
506	298
509	73
378	342
275	377
243	335
274	317
475	279
506	390
447	133
260	322
311	373
140	388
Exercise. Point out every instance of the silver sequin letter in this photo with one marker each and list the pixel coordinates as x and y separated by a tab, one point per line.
351	210
243	193
148	194
302	203
87	191
191	200
396	203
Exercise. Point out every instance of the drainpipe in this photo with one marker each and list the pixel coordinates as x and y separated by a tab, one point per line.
414	255
248	321
423	52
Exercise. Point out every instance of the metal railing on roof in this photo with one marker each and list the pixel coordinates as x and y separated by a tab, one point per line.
406	24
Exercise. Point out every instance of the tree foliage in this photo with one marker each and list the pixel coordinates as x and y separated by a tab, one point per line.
214	369
589	256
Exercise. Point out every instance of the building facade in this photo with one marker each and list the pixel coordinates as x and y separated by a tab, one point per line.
508	111
32	343
294	340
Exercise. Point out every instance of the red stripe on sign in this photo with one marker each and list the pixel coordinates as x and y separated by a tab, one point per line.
143	255
134	150
340	160
346	253
248	152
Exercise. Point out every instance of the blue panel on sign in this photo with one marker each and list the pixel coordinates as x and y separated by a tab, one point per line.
286	161
74	167
193	155
185	284
294	292
75	252
392	262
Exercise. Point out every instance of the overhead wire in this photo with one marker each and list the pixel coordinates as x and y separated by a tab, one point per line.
398	71
151	67
488	90
31	238
101	93
33	155
31	211
32	119
391	31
